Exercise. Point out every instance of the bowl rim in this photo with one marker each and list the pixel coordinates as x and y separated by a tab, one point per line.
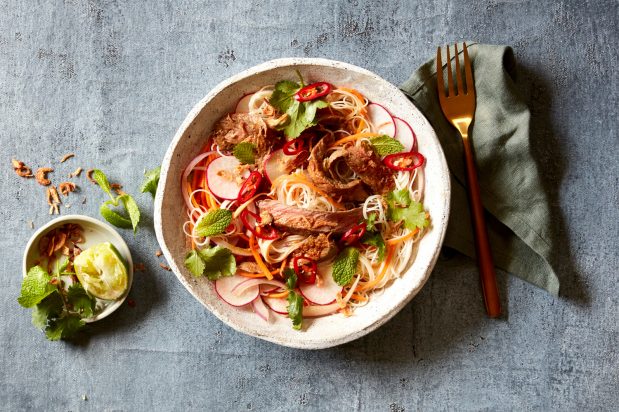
189	119
117	240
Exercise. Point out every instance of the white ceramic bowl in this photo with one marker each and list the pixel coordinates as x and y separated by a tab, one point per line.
191	136
95	232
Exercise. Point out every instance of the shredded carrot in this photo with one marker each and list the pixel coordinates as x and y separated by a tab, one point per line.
283	294
353	91
354	137
258	259
381	275
407	236
249	275
359	298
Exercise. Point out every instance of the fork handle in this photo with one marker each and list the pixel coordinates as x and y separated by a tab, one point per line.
482	246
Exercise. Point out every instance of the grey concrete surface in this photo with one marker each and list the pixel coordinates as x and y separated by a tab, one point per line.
112	80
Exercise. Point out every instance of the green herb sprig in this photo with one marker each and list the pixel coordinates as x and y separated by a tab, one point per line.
131	218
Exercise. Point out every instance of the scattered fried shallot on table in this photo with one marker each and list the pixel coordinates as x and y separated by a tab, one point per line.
21	169
67	157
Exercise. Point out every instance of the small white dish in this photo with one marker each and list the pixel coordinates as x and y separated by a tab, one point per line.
95	232
327	331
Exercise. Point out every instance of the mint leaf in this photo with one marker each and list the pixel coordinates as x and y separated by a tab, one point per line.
386	145
35	287
345	266
291	278
295	309
151	181
194	263
402	208
375	239
64	327
48	308
82	303
113	217
102	181
245	152
214	222
132	209
218	262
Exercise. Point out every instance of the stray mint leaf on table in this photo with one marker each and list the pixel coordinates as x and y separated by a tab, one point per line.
213	223
35	287
151	181
245	152
113	217
386	145
345	265
132	208
102	181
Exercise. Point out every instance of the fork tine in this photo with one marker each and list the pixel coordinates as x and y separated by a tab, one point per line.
450	81
440	82
470	84
458	72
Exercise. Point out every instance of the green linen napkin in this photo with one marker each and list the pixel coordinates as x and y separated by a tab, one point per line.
513	196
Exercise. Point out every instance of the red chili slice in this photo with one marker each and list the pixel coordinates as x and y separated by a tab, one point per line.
267	232
293	147
313	91
404	161
353	234
305	268
249	187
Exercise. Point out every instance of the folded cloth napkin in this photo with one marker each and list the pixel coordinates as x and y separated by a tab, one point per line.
518	215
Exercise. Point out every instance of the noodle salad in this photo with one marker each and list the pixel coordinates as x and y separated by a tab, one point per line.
304	201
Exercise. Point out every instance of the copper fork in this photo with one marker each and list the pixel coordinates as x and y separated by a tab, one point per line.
459	108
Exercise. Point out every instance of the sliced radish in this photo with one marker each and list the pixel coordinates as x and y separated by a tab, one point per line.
324	293
405	134
320	310
223	177
243	105
260	308
277	305
225	285
275	165
382	121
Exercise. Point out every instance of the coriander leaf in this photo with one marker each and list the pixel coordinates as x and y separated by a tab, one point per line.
345	266
132	209
413	216
282	96
64	327
151	181
213	223
386	145
35	287
398	198
371	222
245	152
102	181
295	309
291	278
50	307
375	239
82	303
113	217
218	262
301	117
194	263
